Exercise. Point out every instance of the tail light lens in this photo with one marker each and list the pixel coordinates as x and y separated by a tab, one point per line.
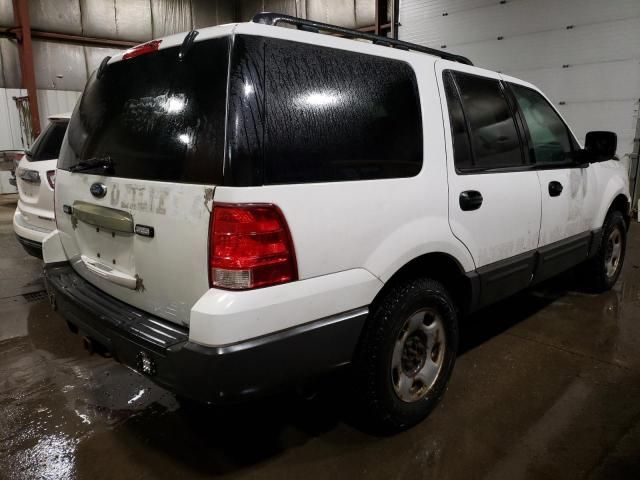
250	247
51	178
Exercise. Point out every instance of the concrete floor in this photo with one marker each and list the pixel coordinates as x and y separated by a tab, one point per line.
547	386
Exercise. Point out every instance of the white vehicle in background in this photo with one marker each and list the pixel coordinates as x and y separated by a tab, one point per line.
35	179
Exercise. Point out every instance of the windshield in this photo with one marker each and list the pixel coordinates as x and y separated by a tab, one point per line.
154	117
47	145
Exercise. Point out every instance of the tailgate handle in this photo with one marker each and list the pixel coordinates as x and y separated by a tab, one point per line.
108	218
111	274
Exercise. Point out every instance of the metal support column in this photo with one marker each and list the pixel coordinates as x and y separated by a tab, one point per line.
21	16
380	20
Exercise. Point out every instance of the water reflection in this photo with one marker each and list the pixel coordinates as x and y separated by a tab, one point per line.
52	457
172	104
321	98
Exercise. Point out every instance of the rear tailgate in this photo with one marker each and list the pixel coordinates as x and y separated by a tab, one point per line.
136	176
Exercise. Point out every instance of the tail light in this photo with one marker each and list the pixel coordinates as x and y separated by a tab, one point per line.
51	178
16	159
138	50
250	247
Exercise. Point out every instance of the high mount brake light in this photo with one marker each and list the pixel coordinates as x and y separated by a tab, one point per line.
138	50
250	247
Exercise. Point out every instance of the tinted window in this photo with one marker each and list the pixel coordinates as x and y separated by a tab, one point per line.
549	134
156	117
494	137
459	133
335	115
47	145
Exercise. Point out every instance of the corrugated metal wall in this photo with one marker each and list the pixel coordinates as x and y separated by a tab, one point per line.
64	66
584	54
62	69
346	13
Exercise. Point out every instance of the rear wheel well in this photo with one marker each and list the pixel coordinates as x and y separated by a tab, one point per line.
436	266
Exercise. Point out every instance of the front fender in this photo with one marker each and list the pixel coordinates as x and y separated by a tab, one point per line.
614	183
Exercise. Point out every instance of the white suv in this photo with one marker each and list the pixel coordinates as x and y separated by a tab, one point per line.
35	178
247	206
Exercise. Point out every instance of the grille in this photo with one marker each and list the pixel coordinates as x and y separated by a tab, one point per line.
35	296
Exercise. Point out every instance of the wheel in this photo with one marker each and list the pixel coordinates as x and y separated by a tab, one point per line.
601	271
406	355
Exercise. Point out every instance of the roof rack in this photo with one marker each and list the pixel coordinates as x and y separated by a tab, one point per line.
267	18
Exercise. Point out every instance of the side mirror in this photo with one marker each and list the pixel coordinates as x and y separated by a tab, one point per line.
600	146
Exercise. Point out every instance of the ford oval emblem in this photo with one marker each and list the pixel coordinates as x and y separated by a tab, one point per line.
98	190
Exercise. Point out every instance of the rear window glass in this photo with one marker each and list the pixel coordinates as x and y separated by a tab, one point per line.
459	134
155	117
47	145
334	115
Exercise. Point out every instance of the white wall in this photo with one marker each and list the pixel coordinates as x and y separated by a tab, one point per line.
50	102
591	71
9	123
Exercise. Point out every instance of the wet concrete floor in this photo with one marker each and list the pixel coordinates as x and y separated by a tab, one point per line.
547	385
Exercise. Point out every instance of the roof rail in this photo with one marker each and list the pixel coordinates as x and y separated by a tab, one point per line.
268	18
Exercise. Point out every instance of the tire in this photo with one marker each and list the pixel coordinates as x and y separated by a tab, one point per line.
400	345
599	273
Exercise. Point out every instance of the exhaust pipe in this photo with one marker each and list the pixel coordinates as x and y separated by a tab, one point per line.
92	347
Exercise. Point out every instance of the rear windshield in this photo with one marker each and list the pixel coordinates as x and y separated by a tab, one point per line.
155	117
47	145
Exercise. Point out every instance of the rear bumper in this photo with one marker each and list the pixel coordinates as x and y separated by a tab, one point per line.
32	247
162	351
26	230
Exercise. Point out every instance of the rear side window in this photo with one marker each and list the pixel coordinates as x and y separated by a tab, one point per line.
549	134
156	117
47	145
494	138
461	148
334	115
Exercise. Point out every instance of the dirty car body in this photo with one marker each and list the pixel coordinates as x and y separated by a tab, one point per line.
227	214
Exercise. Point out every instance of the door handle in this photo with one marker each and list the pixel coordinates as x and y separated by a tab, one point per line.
470	200
555	188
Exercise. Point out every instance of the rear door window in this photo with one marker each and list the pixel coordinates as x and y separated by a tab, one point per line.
47	145
156	117
335	115
463	159
494	138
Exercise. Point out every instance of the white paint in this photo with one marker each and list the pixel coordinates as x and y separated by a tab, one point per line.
172	266
52	251
222	317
